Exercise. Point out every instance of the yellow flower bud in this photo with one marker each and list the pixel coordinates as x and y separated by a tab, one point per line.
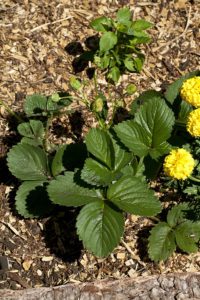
190	91
179	164
193	123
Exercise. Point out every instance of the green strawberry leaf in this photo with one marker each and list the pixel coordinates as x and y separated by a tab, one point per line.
187	235
65	191
134	196
33	129
35	105
161	242
177	213
69	157
27	162
100	226
148	132
145	96
32	199
99	144
95	173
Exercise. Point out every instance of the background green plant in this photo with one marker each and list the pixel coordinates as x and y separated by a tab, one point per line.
118	44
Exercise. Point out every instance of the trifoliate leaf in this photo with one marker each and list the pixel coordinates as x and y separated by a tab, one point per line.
64	191
161	242
100	226
27	162
33	129
32	199
134	196
187	235
148	132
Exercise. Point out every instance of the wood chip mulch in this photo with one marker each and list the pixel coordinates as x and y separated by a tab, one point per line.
34	60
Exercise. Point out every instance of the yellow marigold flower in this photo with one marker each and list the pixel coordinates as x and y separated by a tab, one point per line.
179	164
193	123
190	91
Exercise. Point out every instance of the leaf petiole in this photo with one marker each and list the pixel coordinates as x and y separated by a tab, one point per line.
11	111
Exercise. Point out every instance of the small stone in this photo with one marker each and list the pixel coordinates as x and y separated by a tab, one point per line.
47	258
129	262
39	272
27	264
121	255
132	273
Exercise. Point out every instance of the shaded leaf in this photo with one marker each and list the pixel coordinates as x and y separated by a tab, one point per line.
177	213
35	105
32	199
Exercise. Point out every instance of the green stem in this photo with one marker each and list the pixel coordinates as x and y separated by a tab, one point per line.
154	219
46	144
101	123
112	118
194	179
109	92
12	112
95	83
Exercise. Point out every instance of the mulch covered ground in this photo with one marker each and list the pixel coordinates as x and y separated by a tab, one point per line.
34	39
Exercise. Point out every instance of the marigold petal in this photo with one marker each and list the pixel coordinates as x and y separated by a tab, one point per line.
193	123
190	91
179	164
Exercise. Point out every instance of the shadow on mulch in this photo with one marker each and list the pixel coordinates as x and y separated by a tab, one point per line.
76	122
82	57
142	243
60	235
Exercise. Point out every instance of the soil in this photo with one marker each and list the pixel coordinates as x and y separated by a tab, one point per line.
39	45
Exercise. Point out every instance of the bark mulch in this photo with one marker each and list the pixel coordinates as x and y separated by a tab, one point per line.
37	44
